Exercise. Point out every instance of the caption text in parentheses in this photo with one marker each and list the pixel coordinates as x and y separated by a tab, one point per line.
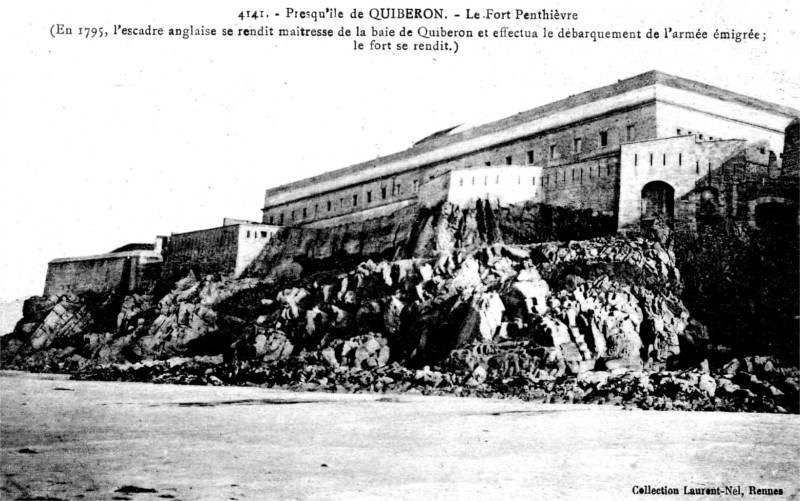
59	29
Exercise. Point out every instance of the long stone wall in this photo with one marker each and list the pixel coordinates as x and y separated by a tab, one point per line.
574	140
585	140
423	231
631	93
123	272
592	184
501	185
380	236
100	275
345	205
204	251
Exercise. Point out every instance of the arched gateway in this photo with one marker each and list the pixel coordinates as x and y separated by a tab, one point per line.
658	202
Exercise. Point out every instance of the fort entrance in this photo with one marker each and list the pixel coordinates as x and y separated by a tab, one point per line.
658	202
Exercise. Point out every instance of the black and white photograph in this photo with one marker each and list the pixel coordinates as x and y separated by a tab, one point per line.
434	251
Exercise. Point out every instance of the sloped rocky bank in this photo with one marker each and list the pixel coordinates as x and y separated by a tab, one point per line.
593	321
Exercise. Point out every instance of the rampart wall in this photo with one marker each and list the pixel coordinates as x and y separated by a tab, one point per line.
591	184
380	236
101	274
205	251
500	185
124	272
350	201
590	141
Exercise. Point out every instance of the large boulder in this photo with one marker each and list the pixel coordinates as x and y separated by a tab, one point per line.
133	308
273	346
367	351
483	318
666	320
68	317
531	291
393	309
468	276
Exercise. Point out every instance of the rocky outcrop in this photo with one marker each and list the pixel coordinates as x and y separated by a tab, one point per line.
296	247
186	320
56	320
593	320
448	227
418	233
623	314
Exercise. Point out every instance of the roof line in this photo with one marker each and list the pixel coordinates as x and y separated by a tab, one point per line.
440	139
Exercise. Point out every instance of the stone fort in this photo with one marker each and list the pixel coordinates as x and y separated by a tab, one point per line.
632	149
654	146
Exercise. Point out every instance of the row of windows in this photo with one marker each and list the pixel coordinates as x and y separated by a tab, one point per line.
577	146
257	234
397	190
690	133
344	202
577	143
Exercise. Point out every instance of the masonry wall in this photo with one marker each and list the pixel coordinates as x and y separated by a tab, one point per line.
381	211
252	238
346	202
591	184
679	161
124	272
738	187
205	251
500	185
434	190
680	113
561	142
97	275
549	149
380	236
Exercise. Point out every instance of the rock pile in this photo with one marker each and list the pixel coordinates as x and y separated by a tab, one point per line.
424	308
584	321
690	390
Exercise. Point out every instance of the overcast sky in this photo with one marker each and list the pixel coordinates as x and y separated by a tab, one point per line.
118	140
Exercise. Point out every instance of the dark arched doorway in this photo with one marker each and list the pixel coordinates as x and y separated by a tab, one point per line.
658	202
775	216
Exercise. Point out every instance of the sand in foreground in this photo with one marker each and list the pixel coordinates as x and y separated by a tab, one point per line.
66	439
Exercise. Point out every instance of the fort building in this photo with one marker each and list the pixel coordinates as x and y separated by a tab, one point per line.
126	269
228	249
635	149
654	146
